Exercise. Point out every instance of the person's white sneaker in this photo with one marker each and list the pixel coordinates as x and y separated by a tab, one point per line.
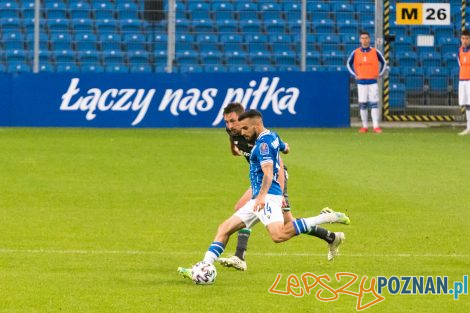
234	262
333	248
465	132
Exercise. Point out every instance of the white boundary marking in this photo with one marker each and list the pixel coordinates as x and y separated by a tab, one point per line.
268	254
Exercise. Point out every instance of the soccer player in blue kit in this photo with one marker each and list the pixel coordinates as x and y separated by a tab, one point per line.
240	146
266	202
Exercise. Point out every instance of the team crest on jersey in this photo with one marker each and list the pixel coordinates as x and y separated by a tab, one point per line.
263	148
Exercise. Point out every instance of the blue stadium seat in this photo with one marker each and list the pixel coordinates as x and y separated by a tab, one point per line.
313	58
264	68
131	26
287	58
212	57
58	25
110	41
3	68
92	68
324	26
275	26
89	57
113	57
27	9
256	42
189	68
222	10
260	58
67	68
291	10
116	68
235	58
127	10
157	41
103	10
183	26
270	11
13	41
407	59
444	32
55	10
430	59
160	57
333	60
184	42
199	10
83	25
17	56
420	30
135	42
397	95
9	9
214	68
19	67
250	26
246	11
288	68
11	24
141	68
85	41
137	57
347	26
61	41
65	56
450	59
239	68
448	44
207	42
189	57
226	26
202	26
47	67
107	26
79	9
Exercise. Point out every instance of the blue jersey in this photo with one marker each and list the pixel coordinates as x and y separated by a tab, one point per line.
266	150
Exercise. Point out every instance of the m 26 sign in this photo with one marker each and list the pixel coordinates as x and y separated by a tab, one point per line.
423	13
173	100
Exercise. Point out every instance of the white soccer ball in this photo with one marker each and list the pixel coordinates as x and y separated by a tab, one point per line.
204	273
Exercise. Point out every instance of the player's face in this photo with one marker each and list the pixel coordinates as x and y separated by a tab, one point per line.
365	41
248	129
465	40
232	123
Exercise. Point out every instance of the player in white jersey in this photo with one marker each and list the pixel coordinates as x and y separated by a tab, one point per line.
266	202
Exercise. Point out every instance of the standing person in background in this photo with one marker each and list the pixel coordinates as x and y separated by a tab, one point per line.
464	77
367	64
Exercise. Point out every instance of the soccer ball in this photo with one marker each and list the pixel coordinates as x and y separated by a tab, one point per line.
204	273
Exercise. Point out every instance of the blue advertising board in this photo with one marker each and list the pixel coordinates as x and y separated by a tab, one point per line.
293	99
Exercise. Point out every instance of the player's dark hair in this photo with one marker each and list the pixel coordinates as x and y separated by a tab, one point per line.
234	107
465	32
249	114
363	32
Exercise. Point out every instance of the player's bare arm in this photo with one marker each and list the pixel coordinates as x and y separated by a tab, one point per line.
234	149
265	185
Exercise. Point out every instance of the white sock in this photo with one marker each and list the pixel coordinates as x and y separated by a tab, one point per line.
375	113
320	219
210	257
364	118
467	113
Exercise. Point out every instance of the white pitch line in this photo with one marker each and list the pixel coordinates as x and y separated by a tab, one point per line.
274	254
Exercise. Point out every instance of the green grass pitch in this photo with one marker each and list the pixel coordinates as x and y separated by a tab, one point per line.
98	220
